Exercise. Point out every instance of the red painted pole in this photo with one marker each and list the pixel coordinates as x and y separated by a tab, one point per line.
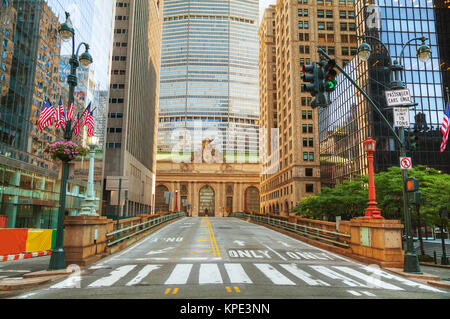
372	211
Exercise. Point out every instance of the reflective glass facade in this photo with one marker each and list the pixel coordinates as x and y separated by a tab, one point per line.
209	72
31	63
349	120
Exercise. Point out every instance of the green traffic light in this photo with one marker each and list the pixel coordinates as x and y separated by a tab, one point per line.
331	84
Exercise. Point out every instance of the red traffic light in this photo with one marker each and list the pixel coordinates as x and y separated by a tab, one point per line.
412	184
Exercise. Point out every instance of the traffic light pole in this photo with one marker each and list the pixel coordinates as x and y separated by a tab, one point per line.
411	262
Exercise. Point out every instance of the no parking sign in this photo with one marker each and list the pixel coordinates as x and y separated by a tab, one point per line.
405	163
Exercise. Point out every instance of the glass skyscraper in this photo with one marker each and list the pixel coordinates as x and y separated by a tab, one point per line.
349	120
31	51
209	75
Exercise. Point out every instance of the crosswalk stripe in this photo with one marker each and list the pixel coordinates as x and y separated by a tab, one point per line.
355	293
404	281
334	275
179	275
113	277
142	274
209	274
237	274
368	293
274	275
71	282
303	275
370	280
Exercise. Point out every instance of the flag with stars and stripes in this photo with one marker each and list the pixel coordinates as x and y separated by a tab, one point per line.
60	116
46	116
90	123
445	128
69	114
85	115
76	125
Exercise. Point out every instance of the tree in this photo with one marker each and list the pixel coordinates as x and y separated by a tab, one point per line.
350	198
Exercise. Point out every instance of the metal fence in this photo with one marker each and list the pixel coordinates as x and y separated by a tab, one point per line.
331	237
120	235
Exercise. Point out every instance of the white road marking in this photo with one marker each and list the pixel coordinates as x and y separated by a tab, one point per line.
237	274
239	242
201	258
155	252
1	270
284	244
142	274
179	275
402	280
354	293
370	280
334	275
113	277
70	282
275	252
303	275
368	293
274	275
152	258
209	274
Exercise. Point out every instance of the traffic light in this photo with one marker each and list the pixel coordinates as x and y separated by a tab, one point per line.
412	184
329	82
414	140
412	188
310	74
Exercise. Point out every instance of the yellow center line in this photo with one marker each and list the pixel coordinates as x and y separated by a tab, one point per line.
167	291
237	289
213	238
228	289
175	291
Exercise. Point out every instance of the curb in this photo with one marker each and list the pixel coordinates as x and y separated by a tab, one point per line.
25	256
435	265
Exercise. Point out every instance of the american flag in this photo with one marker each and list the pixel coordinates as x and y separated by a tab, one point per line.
59	117
85	115
445	128
76	125
90	123
46	116
69	114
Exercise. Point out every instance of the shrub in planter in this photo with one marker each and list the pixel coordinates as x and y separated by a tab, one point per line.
425	258
65	151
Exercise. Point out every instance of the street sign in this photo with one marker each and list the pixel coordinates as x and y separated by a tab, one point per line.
398	97
401	117
113	183
405	163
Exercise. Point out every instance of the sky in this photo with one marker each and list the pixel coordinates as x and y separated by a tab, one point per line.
263	4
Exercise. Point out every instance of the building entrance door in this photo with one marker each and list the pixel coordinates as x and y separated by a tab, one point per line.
206	201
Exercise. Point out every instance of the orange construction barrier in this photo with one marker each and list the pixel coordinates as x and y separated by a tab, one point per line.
13	240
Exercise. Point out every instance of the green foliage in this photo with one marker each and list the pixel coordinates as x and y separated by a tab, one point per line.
425	258
349	199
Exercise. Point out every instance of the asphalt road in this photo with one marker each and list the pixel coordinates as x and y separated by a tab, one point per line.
230	258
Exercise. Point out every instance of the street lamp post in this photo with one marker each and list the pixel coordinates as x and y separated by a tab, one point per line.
89	204
372	212
67	32
411	262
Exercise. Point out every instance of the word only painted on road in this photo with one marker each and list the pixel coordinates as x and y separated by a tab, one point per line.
241	253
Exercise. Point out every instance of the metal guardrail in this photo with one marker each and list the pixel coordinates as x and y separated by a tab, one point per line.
307	231
124	233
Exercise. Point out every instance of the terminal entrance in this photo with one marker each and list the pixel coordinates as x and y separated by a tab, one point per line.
206	201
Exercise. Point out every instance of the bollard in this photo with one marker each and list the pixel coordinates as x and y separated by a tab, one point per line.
435	257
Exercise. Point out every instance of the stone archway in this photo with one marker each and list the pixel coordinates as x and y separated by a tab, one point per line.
160	200
206	197
252	199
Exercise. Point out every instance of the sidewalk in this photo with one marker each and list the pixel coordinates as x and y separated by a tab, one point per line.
431	246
